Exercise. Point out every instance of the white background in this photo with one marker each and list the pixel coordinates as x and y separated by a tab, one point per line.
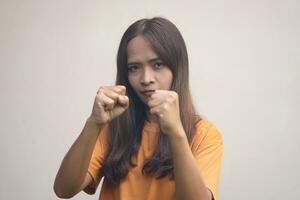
244	71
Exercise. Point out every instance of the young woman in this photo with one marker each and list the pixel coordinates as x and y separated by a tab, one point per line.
143	135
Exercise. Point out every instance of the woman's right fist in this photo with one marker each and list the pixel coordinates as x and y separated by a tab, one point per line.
110	102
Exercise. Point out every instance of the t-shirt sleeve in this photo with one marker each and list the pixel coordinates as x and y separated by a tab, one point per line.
207	148
96	162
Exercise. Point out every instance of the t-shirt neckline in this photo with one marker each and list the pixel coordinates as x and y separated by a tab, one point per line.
151	126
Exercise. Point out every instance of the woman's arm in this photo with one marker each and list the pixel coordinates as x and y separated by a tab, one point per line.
188	181
72	177
73	170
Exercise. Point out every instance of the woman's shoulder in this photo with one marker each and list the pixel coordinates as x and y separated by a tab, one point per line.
205	129
203	123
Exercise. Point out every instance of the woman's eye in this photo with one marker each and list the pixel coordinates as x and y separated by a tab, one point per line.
132	68
158	65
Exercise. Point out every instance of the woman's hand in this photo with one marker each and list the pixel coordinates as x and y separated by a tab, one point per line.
110	102
165	105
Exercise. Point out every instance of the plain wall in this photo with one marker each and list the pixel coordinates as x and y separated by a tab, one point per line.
244	75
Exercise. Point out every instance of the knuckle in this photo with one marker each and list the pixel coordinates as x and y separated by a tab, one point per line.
170	100
165	106
116	87
101	89
174	94
122	87
109	101
98	97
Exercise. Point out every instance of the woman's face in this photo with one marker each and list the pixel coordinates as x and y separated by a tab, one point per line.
146	71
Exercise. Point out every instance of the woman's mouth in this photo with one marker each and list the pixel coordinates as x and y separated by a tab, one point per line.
148	93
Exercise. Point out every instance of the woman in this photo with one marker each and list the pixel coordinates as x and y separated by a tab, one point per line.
143	135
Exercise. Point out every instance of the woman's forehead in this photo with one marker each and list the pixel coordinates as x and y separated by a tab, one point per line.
140	49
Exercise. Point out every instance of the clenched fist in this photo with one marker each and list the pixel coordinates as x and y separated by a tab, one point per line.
110	102
165	105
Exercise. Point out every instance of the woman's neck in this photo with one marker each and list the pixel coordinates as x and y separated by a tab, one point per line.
151	118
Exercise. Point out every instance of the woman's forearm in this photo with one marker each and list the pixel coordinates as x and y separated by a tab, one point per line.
188	180
74	166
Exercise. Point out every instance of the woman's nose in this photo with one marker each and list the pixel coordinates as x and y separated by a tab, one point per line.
147	77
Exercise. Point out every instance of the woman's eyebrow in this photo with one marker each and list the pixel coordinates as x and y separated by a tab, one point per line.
154	59
150	60
132	63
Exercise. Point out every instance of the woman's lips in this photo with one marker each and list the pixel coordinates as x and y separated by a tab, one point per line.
148	93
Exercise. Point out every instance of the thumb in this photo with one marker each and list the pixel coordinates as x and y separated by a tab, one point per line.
123	100
123	104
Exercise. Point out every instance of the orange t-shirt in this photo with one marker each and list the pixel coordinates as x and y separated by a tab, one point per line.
206	146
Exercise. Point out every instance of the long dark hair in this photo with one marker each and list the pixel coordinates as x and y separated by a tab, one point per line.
125	131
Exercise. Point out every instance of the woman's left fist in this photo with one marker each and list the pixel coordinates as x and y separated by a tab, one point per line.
165	105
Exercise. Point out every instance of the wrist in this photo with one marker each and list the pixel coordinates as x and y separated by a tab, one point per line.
92	122
178	134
